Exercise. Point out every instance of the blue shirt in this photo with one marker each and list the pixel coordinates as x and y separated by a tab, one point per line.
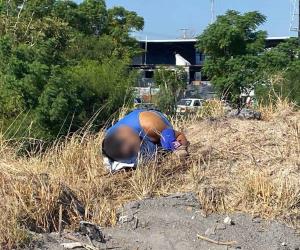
148	148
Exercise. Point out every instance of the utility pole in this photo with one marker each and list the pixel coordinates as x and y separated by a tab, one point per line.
184	33
295	13
212	10
299	21
146	50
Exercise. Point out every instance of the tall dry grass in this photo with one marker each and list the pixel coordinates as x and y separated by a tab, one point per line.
234	165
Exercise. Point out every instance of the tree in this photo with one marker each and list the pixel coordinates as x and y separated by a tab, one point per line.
233	34
232	45
93	15
170	83
281	56
283	64
121	23
56	61
291	84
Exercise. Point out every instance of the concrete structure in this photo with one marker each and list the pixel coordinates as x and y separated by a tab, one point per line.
179	52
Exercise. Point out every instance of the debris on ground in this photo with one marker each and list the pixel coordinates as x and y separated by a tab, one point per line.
245	113
92	231
228	221
224	243
166	223
74	245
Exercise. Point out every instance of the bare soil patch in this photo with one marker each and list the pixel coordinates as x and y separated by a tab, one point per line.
174	222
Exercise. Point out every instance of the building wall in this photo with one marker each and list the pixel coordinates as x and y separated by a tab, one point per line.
159	53
163	53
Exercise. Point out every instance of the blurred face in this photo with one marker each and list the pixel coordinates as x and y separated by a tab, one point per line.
131	142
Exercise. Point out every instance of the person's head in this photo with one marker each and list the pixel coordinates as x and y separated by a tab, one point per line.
121	144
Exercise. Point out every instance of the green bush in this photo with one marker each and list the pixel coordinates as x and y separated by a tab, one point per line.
71	100
171	83
63	65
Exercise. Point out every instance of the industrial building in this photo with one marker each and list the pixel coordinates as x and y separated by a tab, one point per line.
174	53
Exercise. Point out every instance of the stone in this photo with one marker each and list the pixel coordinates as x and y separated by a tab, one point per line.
91	230
123	219
245	114
228	221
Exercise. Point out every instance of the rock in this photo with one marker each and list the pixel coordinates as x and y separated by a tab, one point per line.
228	221
283	244
91	230
245	114
124	219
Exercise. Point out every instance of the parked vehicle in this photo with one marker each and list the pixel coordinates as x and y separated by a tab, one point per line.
188	105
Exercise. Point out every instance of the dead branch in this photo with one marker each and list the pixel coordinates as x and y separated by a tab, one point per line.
19	15
28	26
224	243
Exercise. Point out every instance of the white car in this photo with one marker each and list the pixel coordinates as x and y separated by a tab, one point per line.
188	105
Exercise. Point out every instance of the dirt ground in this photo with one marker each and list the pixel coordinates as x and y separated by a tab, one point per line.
174	222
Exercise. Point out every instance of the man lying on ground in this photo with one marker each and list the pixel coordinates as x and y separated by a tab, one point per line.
138	136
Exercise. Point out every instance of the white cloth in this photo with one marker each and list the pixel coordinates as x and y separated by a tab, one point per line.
113	166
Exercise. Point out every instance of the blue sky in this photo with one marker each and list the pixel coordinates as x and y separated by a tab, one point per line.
165	18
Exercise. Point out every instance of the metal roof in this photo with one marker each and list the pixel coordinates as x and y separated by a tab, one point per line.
168	40
278	37
194	40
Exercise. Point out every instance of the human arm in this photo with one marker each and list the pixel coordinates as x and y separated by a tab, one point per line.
154	125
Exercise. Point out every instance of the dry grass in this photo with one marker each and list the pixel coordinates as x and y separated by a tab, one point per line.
281	108
235	165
